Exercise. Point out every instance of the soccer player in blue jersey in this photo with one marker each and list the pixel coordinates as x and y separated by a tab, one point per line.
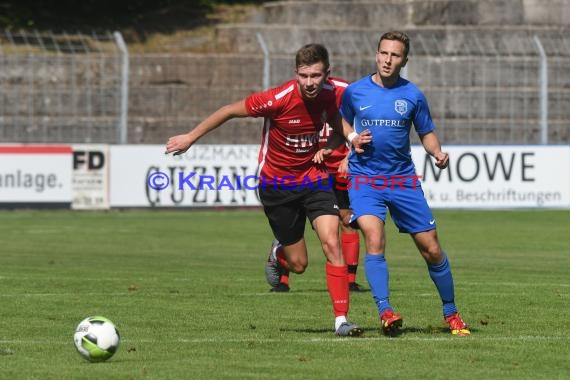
384	176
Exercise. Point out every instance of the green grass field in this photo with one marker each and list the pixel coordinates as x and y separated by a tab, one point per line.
188	294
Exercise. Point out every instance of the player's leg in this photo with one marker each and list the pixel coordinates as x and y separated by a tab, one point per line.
290	257
349	237
369	210
276	274
350	246
412	215
440	273
376	269
326	227
287	220
322	211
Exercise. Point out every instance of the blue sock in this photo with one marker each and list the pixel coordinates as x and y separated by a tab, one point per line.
443	280
376	270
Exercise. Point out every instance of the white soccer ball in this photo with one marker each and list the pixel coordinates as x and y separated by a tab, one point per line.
96	338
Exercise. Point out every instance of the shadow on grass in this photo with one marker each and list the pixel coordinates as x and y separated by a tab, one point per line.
402	332
315	290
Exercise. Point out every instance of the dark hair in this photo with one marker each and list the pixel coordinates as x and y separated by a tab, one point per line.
397	36
311	54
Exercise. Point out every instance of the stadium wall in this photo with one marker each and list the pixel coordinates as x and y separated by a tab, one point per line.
100	176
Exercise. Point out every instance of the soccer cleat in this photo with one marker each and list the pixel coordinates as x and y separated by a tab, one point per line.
280	288
349	329
457	326
390	321
273	270
355	287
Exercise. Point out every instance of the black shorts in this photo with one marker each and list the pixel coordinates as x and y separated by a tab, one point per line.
341	195
287	210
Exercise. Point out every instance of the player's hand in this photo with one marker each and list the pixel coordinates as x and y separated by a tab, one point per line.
363	138
178	144
322	155
441	160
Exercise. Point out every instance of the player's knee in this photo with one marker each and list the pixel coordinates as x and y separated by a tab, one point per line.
330	246
375	244
345	216
433	253
298	267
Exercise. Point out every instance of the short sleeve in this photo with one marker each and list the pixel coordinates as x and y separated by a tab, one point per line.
423	122
346	107
262	104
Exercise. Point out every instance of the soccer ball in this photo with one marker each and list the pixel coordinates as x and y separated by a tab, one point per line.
96	338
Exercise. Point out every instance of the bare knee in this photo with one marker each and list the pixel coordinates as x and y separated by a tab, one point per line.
429	247
332	252
432	253
298	266
330	245
375	243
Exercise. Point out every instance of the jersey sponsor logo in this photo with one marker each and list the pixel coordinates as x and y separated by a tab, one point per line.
295	121
383	123
325	133
301	141
401	106
362	108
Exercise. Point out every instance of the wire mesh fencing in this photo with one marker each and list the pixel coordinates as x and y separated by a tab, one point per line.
484	85
59	88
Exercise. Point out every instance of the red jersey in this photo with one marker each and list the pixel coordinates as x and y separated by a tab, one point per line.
334	160
291	129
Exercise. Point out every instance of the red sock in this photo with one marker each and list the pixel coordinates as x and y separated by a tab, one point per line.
337	284
281	258
284	278
351	251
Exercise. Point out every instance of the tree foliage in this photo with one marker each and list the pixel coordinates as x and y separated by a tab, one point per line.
87	15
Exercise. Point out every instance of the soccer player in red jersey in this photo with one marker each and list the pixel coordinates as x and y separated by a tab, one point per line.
336	164
293	187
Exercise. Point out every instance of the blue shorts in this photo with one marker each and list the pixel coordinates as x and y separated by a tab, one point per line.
408	206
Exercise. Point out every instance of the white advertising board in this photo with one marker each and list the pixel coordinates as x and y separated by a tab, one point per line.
525	176
497	177
35	175
206	175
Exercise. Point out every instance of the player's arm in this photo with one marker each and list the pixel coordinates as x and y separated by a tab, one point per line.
431	144
180	143
358	140
343	167
346	112
341	133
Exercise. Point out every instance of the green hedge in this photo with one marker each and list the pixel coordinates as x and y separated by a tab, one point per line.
73	15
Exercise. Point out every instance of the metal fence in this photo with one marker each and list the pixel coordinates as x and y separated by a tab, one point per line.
484	86
61	88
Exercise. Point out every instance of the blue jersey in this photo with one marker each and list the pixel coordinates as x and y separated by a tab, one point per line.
389	114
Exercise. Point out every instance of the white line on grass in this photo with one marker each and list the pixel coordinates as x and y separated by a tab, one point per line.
516	284
334	339
416	338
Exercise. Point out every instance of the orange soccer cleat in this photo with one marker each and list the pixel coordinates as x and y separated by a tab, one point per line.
457	326
390	321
